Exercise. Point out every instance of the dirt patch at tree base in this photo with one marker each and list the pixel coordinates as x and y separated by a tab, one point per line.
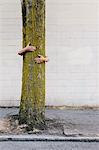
10	125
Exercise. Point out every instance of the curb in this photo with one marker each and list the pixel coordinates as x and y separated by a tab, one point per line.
46	138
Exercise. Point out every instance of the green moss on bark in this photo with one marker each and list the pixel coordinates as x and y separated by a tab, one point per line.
32	106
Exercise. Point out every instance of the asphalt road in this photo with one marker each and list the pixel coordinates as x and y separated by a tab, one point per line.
49	146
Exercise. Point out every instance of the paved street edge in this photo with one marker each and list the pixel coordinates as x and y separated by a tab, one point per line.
46	138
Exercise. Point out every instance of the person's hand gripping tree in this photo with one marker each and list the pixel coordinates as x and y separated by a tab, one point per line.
29	48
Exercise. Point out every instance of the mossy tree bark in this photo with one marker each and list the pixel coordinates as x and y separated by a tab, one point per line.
32	106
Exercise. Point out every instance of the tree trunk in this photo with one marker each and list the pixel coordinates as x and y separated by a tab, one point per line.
32	107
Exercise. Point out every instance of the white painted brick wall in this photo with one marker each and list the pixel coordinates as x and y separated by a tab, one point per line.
73	49
10	42
72	33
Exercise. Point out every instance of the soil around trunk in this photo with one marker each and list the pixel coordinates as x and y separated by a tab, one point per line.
10	125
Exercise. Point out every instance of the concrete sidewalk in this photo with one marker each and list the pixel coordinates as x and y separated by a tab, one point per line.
66	124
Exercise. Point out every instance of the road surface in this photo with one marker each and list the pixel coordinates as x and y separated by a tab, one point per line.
49	145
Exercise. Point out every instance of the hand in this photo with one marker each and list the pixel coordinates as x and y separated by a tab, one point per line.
40	59
28	48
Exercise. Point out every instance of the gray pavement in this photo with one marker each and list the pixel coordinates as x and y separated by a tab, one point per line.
85	121
49	146
70	122
4	112
68	130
